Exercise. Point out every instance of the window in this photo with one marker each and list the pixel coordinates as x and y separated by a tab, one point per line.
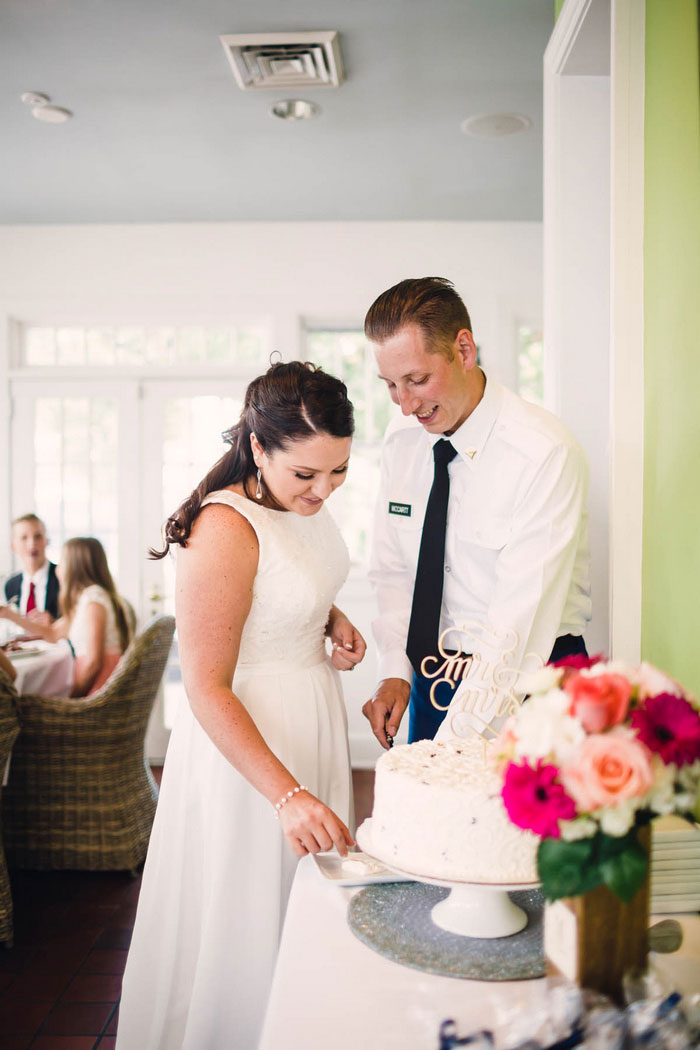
530	365
137	347
75	471
344	353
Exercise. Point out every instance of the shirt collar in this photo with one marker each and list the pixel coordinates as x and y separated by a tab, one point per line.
41	576
471	437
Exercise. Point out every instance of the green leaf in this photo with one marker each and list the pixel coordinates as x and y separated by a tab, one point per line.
625	870
567	869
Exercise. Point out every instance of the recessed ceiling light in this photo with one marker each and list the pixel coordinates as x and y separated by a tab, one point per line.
34	98
51	114
294	109
495	125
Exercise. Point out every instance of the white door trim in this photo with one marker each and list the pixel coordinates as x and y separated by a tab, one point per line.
625	62
627	328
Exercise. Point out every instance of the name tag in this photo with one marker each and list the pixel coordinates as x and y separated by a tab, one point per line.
404	509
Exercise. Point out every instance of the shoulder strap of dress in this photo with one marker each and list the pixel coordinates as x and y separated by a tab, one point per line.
249	510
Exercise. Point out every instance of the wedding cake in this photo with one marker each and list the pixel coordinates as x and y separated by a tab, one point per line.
438	812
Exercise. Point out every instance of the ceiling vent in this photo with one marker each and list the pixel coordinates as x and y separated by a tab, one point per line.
280	61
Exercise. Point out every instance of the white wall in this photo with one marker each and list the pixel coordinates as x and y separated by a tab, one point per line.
290	272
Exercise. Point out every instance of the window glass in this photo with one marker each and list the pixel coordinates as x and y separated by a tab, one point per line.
345	353
531	365
75	474
135	347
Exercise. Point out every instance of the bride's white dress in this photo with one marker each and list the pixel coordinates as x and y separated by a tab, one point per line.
219	871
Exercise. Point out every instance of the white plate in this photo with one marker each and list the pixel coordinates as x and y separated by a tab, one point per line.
19	654
331	865
364	839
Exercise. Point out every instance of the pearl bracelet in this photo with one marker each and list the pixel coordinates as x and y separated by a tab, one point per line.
285	798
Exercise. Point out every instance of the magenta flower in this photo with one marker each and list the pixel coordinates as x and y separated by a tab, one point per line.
578	661
670	726
534	800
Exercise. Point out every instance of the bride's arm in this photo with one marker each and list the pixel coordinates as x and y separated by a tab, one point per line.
214	590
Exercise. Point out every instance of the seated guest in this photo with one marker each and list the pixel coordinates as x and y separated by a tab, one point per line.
93	617
35	589
7	666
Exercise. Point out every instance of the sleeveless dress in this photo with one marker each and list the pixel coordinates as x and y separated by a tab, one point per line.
78	634
219	870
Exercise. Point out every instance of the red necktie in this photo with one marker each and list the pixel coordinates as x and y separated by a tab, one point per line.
31	600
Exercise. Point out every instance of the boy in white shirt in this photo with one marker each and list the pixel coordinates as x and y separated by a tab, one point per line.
35	589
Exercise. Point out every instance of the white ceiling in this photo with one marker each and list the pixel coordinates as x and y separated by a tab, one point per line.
162	133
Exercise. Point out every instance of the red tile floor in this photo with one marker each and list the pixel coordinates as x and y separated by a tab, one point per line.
60	983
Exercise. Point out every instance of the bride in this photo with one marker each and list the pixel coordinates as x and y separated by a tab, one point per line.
257	772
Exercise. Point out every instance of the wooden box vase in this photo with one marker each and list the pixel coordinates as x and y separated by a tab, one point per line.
597	939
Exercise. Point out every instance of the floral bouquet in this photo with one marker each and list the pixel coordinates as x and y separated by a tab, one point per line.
596	752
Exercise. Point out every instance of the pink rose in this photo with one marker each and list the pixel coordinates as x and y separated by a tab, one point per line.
598	701
608	768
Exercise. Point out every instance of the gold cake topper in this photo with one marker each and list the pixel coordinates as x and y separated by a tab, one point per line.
488	690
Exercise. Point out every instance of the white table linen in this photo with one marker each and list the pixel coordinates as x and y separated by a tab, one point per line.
330	990
48	672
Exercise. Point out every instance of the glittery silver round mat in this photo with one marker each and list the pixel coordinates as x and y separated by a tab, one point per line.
394	919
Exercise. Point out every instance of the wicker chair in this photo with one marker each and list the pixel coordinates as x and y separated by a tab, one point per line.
80	793
9	730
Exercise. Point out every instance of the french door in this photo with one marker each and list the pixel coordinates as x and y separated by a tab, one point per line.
113	459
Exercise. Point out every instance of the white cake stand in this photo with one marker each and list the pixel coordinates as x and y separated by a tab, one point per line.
471	909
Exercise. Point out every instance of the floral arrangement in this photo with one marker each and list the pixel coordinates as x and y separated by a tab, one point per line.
596	752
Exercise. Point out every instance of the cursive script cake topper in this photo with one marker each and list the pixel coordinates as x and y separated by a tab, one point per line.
489	689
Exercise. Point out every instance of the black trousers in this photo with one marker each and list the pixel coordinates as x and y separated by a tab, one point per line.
424	720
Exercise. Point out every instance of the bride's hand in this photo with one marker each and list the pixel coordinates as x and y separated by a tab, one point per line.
349	646
311	827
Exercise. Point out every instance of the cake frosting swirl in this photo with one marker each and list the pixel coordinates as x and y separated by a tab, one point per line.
438	812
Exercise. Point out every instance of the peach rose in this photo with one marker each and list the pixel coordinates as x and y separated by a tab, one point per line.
598	701
607	769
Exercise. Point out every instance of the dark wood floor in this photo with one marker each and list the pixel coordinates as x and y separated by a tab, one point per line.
60	983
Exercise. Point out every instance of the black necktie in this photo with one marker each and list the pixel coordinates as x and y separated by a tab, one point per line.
424	626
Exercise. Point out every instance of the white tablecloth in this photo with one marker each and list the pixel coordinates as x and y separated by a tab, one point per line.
330	990
48	672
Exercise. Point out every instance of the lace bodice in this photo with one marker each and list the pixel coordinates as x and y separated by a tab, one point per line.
303	563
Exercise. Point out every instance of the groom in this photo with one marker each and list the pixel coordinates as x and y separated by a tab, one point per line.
480	518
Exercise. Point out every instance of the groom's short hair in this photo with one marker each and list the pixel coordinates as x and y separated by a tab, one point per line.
429	302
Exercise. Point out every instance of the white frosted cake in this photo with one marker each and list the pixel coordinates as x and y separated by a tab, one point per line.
438	812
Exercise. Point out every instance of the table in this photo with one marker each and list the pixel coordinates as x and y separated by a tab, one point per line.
330	990
48	672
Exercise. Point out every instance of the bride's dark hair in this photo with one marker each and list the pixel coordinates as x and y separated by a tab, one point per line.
290	402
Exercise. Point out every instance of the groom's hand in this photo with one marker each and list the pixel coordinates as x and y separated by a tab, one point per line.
385	709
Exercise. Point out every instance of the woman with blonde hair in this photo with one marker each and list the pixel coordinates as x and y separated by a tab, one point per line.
92	614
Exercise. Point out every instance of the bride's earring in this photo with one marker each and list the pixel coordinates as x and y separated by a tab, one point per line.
258	491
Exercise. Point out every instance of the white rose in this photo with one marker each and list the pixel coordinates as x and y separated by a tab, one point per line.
581	828
545	729
661	797
652	681
617	820
539	681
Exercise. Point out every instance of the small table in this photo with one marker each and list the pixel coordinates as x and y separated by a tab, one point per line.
330	990
43	668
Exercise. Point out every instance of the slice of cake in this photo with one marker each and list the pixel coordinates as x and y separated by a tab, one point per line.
438	812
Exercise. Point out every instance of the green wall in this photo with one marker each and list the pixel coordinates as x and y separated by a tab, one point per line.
671	520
